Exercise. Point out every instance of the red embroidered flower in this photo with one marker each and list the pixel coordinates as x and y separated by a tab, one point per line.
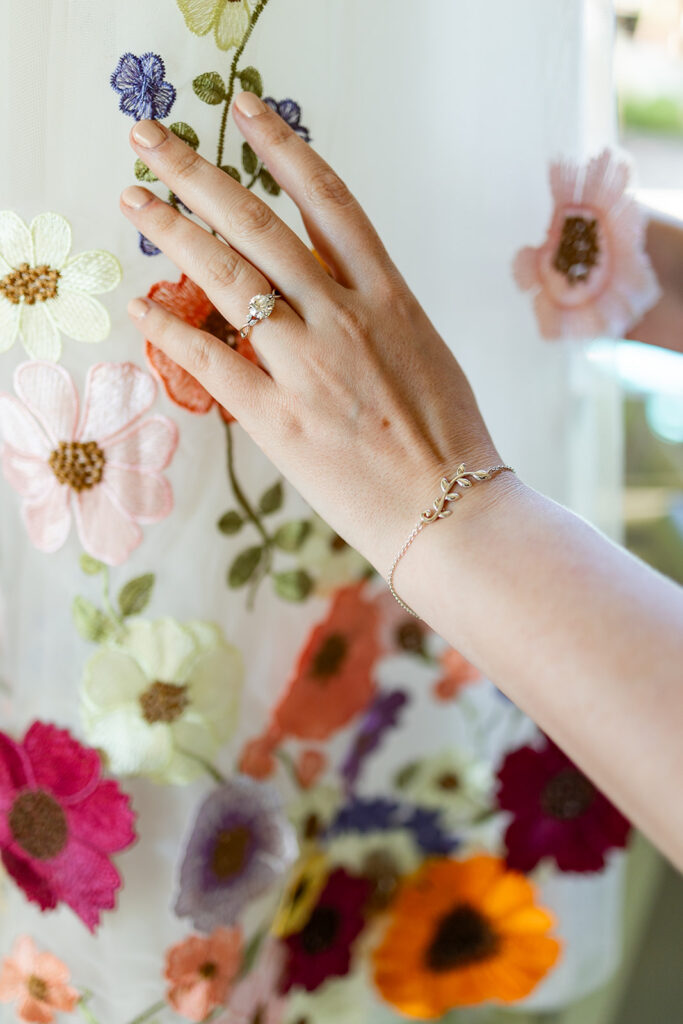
322	949
60	821
186	300
333	680
458	672
557	811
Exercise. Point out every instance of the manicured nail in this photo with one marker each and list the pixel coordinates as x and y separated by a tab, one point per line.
149	134
137	308
136	197
249	104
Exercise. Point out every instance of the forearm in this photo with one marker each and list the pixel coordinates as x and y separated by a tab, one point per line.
583	637
663	325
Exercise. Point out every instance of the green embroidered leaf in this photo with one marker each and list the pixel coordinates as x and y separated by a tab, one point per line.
143	173
134	596
271	500
290	536
250	954
269	183
186	133
251	80
230	522
295	585
91	565
244	566
90	622
405	775
249	159
209	87
232	171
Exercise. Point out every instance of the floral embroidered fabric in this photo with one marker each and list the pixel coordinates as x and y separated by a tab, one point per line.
237	782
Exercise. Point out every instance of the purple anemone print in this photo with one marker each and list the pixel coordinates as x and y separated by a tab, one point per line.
241	844
140	83
289	111
382	715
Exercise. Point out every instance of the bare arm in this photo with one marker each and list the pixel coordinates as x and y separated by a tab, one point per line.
663	325
364	408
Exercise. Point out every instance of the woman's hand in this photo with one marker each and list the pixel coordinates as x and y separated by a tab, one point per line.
363	407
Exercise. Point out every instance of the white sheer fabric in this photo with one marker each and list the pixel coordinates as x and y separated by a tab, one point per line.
442	117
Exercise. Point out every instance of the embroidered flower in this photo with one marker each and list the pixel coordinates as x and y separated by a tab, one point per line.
382	715
323	948
38	983
256	999
240	845
453	782
309	766
104	464
591	276
400	632
457	673
313	810
140	83
200	972
290	112
333	679
301	894
460	933
383	857
370	814
329	560
60	821
161	700
228	19
256	758
43	293
558	812
146	247
187	301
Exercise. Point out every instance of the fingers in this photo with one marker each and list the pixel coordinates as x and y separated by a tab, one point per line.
243	219
228	279
337	225
237	384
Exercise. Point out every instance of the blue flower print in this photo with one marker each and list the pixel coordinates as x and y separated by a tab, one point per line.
290	112
140	81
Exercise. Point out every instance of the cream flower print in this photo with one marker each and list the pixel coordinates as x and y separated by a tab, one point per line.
331	562
161	700
43	292
229	19
454	782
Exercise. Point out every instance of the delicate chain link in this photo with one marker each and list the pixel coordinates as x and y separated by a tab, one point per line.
464	479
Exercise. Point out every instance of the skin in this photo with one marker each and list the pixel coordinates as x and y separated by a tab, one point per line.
663	325
364	408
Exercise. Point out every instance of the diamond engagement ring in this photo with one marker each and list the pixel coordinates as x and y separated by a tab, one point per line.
260	308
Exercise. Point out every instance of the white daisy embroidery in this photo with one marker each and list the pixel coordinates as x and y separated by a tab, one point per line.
43	292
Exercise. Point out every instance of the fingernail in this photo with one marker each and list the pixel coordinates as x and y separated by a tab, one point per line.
149	134
136	197
249	104
137	308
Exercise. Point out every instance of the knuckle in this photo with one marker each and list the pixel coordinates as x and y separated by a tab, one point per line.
223	269
325	186
354	324
164	217
186	163
252	217
202	355
276	132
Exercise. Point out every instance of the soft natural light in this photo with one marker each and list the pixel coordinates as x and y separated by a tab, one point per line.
641	368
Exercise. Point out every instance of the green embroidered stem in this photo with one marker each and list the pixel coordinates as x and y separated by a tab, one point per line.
106	599
85	1009
240	496
206	765
254	178
146	1014
256	14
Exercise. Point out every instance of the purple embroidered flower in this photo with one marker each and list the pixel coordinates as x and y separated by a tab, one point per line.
379	814
289	111
147	247
140	81
383	714
240	844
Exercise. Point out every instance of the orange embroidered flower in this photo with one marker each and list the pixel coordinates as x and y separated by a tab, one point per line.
257	758
37	982
309	767
333	680
186	300
201	971
463	932
457	673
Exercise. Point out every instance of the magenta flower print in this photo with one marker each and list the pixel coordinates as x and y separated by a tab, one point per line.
102	465
60	821
591	276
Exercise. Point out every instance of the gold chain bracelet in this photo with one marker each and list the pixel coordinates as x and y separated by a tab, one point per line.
463	479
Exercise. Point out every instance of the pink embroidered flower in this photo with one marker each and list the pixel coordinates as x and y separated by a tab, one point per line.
309	766
591	276
256	997
60	821
201	970
102	464
458	672
38	983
